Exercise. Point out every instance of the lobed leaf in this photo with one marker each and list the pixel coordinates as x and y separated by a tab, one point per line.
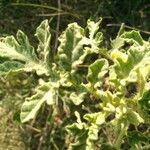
131	38
75	46
129	64
71	46
19	51
85	135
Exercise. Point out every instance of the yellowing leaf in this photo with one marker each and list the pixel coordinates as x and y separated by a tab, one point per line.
115	54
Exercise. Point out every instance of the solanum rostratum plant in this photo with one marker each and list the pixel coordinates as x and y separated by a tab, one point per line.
99	97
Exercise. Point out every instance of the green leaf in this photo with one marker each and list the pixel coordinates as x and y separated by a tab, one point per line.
24	46
19	51
85	136
30	108
79	131
132	37
133	117
92	137
95	118
130	54
80	141
72	51
10	65
145	100
133	64
77	97
131	57
44	37
75	46
97	70
10	48
135	138
144	104
93	28
95	38
117	43
44	93
71	46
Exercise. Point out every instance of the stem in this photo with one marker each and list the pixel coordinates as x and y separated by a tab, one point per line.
128	27
46	131
46	7
54	144
52	14
146	147
35	5
33	129
120	137
57	26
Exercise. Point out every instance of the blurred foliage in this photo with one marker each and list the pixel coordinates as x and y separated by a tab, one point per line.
26	15
10	136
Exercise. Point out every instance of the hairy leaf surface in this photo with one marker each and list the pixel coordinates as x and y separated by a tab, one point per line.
44	94
19	52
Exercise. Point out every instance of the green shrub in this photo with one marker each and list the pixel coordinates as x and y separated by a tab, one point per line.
88	97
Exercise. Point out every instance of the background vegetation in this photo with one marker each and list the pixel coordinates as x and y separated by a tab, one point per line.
27	15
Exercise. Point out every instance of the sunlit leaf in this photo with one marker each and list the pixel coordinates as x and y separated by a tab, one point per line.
44	36
97	70
134	118
30	108
19	51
